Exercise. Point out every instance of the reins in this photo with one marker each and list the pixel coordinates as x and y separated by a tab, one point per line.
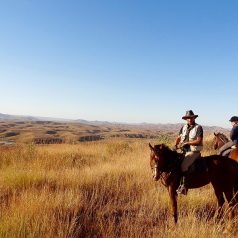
222	138
164	176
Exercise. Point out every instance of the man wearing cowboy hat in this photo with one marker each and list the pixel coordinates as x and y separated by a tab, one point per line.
191	139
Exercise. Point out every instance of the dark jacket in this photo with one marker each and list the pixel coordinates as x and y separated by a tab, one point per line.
234	134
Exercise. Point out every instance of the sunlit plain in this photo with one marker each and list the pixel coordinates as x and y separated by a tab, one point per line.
96	189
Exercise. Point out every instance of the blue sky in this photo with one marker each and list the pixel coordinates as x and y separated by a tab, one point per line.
125	61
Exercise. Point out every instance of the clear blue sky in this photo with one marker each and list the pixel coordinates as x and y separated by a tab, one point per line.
125	61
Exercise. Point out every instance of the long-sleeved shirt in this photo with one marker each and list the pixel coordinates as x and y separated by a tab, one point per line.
234	134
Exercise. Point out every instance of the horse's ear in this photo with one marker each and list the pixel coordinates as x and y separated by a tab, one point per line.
162	146
151	147
215	134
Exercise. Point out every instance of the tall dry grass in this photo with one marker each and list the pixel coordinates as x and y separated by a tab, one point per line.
96	189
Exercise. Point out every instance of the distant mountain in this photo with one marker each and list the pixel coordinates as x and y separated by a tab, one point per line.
31	118
144	125
93	122
16	117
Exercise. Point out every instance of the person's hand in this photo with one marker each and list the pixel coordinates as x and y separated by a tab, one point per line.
175	147
185	145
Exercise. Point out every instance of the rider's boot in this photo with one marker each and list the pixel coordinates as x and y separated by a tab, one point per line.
182	189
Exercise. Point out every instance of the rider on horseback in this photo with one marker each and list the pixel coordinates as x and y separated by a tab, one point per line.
191	139
226	149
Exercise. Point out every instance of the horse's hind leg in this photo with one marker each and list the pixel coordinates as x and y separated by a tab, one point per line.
231	211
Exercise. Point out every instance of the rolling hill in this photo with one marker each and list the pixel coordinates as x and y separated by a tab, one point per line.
28	129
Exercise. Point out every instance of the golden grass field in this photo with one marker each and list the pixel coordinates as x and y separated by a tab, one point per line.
95	189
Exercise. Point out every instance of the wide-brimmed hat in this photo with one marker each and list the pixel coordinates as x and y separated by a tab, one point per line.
234	118
189	114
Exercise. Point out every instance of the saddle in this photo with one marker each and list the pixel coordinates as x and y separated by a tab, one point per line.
199	166
230	152
233	154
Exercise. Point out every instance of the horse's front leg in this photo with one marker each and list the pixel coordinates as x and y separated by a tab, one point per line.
231	198
220	199
173	199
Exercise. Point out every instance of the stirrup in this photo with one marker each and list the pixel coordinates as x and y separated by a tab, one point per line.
182	190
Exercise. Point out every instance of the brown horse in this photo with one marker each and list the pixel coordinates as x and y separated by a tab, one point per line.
219	140
221	172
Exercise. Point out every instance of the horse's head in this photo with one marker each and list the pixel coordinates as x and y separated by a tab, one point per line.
219	140
158	159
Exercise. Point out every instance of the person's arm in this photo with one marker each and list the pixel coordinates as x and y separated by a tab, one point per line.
178	139
198	141
233	134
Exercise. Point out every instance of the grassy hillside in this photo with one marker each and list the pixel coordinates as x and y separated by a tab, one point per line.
51	132
95	189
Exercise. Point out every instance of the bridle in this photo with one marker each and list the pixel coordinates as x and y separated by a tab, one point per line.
154	168
161	175
222	139
164	176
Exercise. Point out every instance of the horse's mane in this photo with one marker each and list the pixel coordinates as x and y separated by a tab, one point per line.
223	137
166	151
162	147
172	158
